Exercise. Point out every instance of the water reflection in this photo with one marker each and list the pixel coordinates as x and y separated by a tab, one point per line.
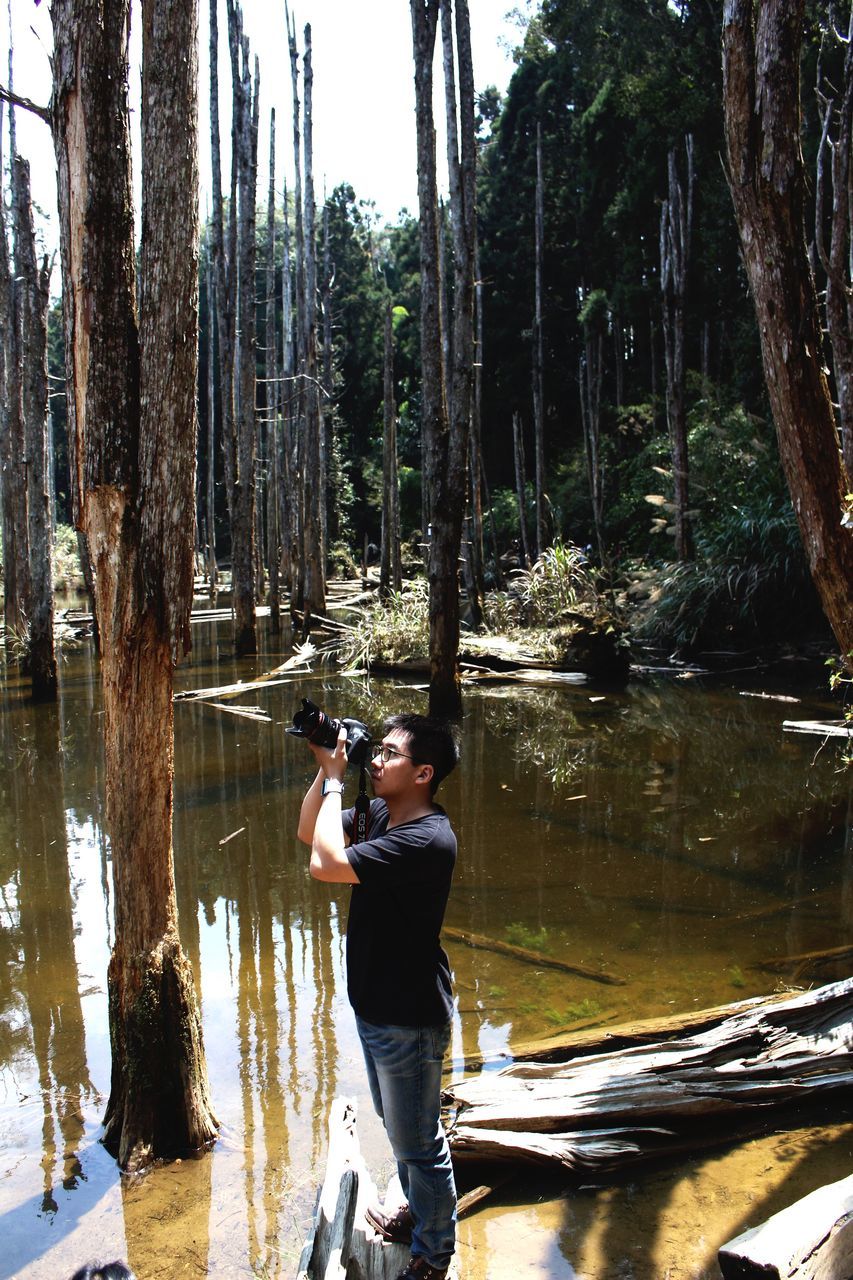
670	835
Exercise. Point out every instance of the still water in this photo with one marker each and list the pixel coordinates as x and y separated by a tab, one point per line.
672	835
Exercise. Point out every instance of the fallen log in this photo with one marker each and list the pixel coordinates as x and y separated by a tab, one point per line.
810	1240
295	668
605	1111
341	1245
806	960
536	958
822	728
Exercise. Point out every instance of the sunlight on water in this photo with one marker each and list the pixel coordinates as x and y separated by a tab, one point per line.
671	837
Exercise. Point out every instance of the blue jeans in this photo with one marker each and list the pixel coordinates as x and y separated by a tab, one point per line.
404	1073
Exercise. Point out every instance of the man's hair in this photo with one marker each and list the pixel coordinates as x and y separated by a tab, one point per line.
104	1271
431	741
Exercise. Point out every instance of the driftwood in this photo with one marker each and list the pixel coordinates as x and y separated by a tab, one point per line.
292	669
341	1245
608	1110
807	961
530	957
527	675
823	728
810	1240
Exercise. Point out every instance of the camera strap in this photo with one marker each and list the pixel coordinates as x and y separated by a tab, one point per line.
361	818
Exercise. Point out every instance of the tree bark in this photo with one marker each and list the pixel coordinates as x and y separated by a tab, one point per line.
761	48
131	412
837	140
538	358
246	104
676	221
590	376
297	396
210	505
518	455
390	570
272	401
313	477
33	283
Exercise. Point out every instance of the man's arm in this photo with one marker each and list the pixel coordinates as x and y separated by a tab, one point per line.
320	818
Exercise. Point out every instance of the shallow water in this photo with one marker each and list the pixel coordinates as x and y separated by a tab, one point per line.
671	835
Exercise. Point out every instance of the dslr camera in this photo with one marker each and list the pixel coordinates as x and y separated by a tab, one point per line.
312	723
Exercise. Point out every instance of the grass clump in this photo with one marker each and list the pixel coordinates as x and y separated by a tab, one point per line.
520	935
392	631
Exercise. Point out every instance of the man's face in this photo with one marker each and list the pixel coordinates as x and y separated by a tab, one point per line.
395	774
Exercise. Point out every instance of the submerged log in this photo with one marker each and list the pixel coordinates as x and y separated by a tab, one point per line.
810	1240
530	957
608	1110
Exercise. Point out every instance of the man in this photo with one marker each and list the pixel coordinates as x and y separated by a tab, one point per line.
398	977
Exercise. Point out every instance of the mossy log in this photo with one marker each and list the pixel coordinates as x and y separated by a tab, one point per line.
604	1111
480	942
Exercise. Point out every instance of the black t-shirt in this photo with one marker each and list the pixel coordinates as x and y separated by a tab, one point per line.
397	972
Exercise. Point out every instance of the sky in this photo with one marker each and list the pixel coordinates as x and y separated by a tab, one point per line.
364	125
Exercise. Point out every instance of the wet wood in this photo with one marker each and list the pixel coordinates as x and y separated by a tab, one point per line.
528	675
608	1110
536	958
278	675
810	1240
823	728
806	960
341	1243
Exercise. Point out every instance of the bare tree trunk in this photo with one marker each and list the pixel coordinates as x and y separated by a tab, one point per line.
761	48
297	399
590	376
676	221
390	571
476	585
518	455
131	412
538	360
619	357
328	456
314	480
272	402
837	139
288	502
34	291
243	493
211	428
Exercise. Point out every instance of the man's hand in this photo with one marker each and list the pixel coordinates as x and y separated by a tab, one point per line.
332	763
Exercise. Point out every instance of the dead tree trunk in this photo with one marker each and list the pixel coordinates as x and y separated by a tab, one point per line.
33	283
538	358
272	402
590	377
313	478
604	1110
446	442
390	570
211	428
761	48
676	221
287	500
518	455
243	493
834	153
297	398
131	413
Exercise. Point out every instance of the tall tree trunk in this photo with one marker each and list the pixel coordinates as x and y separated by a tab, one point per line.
446	451
210	505
538	358
297	398
328	457
390	571
272	402
837	140
131	412
476	581
313	477
34	290
676	222
590	376
287	500
761	50
243	501
518	456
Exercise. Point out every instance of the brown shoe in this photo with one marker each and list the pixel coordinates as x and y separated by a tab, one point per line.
419	1269
395	1227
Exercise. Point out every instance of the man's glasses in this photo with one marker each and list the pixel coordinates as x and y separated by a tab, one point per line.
388	753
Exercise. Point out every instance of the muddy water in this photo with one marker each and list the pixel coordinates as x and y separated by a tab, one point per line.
672	836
